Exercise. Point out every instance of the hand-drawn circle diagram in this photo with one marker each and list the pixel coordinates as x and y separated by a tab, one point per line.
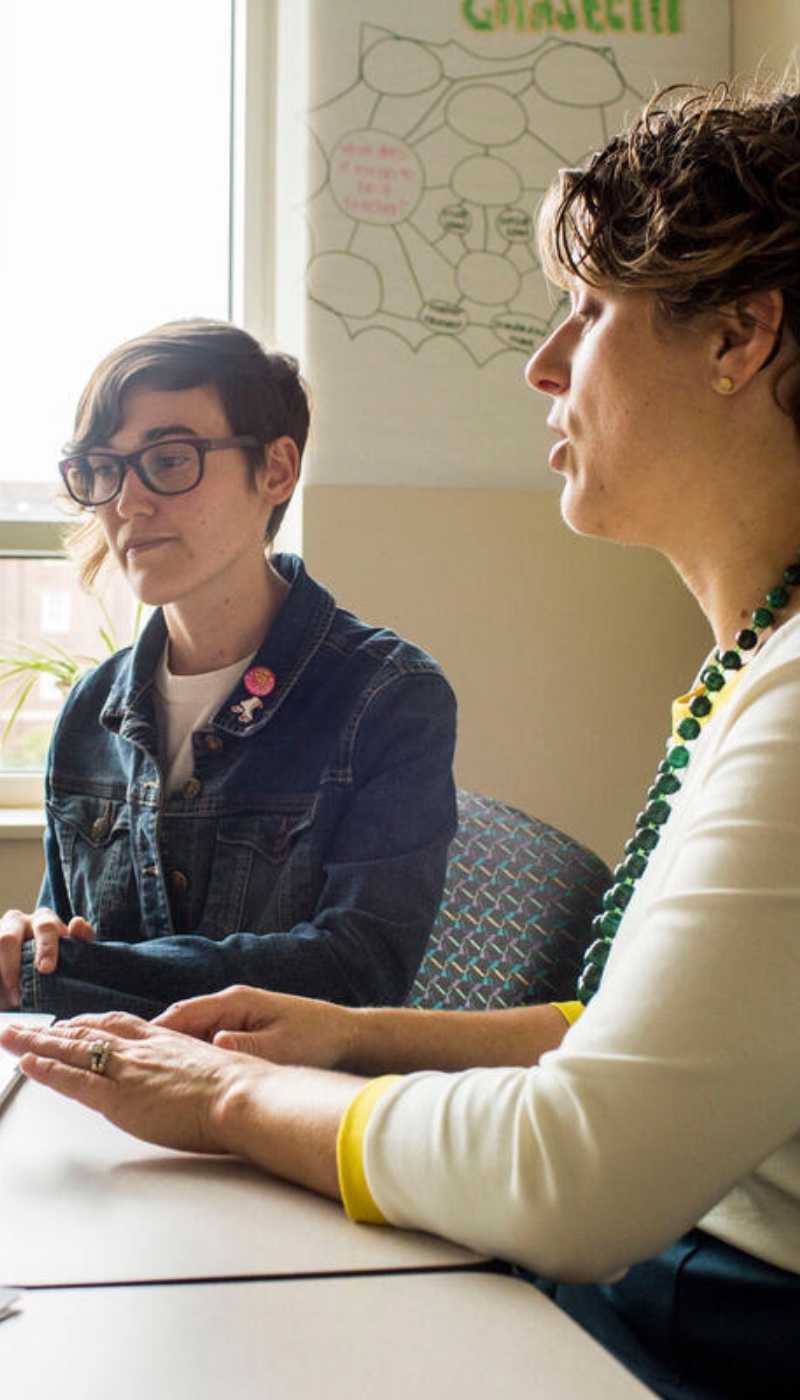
430	168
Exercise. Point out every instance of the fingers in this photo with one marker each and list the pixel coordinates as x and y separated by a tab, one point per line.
158	1085
197	1017
70	1042
119	1022
202	1017
42	1040
278	1045
70	1080
245	1042
15	928
66	1043
46	930
81	929
73	1060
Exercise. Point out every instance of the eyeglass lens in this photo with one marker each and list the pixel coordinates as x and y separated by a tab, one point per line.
167	468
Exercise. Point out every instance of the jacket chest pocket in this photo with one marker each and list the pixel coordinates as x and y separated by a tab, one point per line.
262	872
94	842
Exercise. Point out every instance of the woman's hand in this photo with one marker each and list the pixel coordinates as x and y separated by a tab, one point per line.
173	1090
46	930
271	1025
367	1039
158	1085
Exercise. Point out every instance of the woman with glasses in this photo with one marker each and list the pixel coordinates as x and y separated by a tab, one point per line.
650	1163
260	790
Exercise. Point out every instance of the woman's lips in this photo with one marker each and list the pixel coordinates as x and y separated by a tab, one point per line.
557	451
144	545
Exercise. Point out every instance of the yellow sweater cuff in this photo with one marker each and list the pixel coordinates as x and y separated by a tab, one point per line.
356	1195
570	1010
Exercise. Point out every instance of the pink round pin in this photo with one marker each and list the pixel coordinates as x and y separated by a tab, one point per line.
259	680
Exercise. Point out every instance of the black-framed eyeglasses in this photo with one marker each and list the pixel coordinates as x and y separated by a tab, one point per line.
170	467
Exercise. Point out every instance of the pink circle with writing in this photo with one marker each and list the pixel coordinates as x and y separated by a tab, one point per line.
375	177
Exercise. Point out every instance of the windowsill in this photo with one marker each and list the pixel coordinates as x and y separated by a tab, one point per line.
21	823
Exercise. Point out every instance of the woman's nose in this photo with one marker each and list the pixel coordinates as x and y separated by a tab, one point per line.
134	497
548	368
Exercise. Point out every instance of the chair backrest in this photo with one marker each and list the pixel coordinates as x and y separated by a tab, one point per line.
516	913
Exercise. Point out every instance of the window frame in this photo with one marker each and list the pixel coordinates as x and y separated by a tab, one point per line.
23	793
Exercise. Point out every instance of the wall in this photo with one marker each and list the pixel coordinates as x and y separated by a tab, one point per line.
765	35
525	618
20	863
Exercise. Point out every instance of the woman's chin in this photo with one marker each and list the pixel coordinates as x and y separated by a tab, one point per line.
575	513
593	518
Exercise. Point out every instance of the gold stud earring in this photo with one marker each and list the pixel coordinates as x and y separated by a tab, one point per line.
724	385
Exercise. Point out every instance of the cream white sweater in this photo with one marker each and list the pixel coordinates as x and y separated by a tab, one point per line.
675	1099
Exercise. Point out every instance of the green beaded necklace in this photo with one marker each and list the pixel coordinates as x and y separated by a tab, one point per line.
668	780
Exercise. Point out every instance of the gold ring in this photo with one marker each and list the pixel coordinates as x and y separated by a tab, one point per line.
100	1054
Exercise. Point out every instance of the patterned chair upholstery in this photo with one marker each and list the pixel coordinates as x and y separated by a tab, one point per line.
515	917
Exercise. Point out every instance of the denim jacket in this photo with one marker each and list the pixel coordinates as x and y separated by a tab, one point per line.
307	852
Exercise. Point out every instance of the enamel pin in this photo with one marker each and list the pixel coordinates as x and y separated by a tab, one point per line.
258	681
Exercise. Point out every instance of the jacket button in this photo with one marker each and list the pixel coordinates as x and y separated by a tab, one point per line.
179	881
102	825
192	787
213	743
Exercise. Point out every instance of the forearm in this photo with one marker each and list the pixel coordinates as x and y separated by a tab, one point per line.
75	992
387	1040
329	962
286	1121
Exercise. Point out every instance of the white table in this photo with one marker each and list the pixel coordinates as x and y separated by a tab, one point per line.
396	1336
85	1203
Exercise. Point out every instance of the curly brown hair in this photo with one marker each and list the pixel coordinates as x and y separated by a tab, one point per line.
698	201
262	393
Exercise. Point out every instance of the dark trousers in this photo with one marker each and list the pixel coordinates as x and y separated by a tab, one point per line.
702	1321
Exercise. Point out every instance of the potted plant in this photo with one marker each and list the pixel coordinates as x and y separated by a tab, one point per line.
23	666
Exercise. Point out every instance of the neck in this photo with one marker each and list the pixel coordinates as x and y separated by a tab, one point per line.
731	578
207	638
733	524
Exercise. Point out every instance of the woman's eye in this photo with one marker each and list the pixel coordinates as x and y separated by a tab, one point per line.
167	461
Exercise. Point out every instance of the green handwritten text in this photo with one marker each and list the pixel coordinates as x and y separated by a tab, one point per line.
567	16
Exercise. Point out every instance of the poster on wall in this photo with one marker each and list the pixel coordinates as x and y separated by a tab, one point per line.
434	127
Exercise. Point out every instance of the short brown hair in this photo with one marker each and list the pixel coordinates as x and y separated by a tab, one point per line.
697	201
262	393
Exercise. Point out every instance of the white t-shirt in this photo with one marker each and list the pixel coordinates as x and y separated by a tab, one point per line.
183	705
675	1099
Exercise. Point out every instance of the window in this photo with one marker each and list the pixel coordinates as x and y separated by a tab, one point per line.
149	141
55	611
118	209
116	195
59	630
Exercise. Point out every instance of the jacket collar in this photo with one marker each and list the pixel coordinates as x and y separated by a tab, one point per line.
298	632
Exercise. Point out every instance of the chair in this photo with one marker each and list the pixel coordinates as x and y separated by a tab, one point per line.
516	913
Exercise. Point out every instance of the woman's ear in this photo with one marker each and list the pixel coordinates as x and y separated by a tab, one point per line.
280	471
747	336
